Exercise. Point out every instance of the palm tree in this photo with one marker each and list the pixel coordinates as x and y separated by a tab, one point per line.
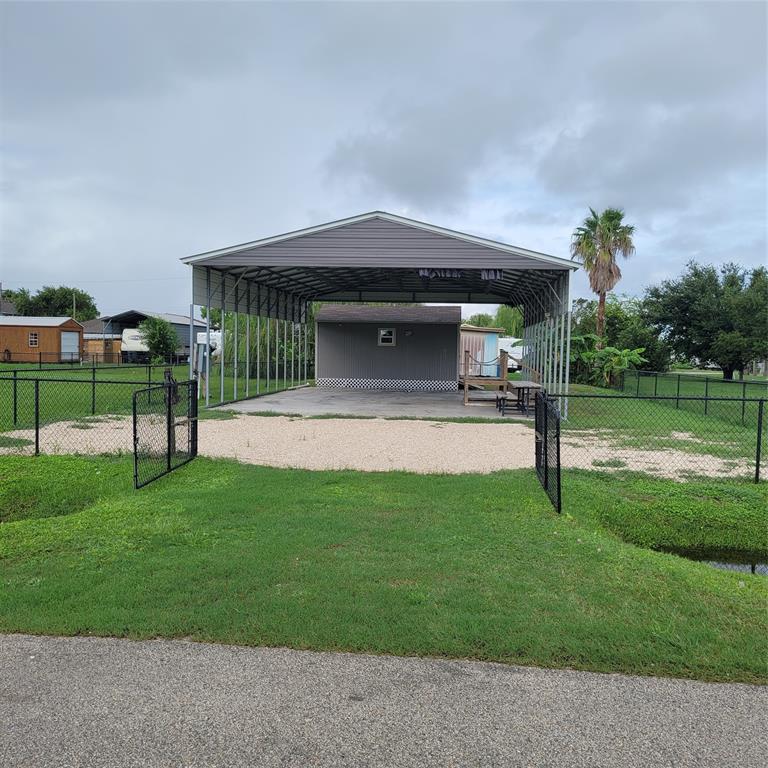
596	244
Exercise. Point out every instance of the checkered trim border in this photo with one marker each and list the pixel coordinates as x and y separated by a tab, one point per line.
390	385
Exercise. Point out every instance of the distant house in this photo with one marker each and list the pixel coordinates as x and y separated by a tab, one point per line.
387	348
120	334
40	339
7	307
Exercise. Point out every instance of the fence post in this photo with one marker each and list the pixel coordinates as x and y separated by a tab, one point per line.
15	397
758	449
193	414
39	361
637	393
677	401
168	422
37	417
135	444
743	400
545	441
93	391
656	384
706	394
559	485
149	375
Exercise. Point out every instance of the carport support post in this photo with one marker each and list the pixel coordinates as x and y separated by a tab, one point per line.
223	336
258	339
285	354
248	340
237	333
268	335
306	345
207	336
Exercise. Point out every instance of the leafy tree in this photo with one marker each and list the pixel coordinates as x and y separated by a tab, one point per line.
596	244
626	327
159	336
601	365
713	316
481	320
52	301
510	319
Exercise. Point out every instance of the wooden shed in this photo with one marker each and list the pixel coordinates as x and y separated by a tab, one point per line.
40	339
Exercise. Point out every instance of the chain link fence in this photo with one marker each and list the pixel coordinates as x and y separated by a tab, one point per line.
164	429
676	437
64	360
65	415
687	385
547	452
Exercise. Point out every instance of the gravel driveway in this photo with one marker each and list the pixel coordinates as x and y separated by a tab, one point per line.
106	702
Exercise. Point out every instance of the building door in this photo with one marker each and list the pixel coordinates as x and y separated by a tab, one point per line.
70	346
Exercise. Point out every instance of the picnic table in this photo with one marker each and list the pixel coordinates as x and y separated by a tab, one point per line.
521	389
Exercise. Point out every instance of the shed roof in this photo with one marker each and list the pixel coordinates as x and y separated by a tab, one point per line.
37	322
480	329
355	313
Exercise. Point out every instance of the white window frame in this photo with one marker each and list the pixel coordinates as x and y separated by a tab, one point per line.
36	336
393	331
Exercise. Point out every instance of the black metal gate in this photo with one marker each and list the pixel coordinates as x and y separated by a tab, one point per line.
164	429
547	425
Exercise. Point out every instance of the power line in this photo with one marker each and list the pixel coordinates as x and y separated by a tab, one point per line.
94	282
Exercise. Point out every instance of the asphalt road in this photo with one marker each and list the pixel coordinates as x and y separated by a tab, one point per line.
104	702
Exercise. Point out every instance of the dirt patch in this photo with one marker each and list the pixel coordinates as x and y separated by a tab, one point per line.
590	450
381	445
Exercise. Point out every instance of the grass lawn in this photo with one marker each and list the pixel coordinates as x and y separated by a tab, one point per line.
693	385
658	425
70	394
456	566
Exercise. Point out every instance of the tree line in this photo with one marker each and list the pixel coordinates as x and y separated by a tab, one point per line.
708	316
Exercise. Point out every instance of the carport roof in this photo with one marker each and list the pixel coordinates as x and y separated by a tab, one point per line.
379	256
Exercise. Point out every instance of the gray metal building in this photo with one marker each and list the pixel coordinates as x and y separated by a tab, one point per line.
387	348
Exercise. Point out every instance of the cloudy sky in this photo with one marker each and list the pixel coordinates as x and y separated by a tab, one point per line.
136	133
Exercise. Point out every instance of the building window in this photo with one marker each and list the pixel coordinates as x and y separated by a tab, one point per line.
386	337
33	340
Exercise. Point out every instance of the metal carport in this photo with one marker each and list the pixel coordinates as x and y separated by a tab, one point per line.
379	256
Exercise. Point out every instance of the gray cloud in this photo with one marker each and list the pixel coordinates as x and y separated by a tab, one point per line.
137	133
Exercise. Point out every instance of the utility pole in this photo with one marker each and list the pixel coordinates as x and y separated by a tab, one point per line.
74	305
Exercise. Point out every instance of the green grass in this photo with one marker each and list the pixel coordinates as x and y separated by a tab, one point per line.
67	394
692	385
696	518
658	425
360	417
454	566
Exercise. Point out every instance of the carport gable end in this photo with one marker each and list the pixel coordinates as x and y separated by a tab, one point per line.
381	257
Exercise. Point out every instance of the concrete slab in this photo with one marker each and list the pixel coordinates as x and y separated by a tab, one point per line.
312	401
